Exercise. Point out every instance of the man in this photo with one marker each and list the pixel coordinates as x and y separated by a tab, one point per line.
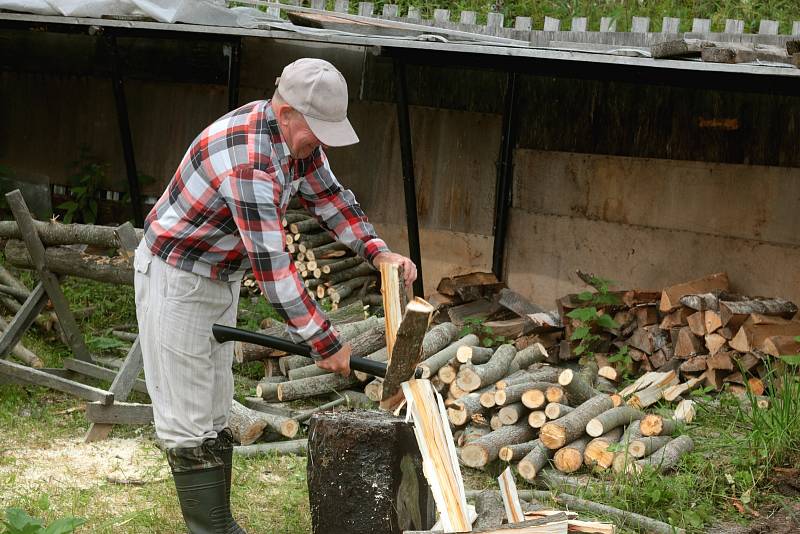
221	215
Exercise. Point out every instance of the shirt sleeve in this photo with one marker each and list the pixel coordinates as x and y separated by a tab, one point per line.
252	197
336	208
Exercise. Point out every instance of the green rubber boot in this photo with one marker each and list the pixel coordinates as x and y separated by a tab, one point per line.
199	475
225	449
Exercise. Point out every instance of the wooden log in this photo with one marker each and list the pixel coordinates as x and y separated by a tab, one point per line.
556	394
673	392
358	271
516	392
365	460
472	377
611	419
569	458
543	374
436	361
21	353
279	448
675	319
656	425
765	306
331	250
474	355
554	410
670	297
653	393
598	454
537	419
667	456
495	423
639	448
688	344
363	344
54	233
715	343
488	397
697	324
287	363
517	451
512	413
535	460
248	425
62	260
447	374
752	336
489	507
28	375
526	357
460	412
567	429
685	411
487	448
579	386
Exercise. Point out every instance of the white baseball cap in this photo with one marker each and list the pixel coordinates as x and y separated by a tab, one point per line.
319	92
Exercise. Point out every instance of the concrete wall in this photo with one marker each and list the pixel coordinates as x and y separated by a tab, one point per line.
643	184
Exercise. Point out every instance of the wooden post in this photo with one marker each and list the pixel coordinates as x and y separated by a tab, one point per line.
365	475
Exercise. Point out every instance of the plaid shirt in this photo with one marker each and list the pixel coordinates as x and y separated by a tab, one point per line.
221	215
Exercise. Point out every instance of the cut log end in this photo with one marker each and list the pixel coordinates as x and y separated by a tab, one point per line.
533	399
488	399
457	417
474	456
568	460
506	454
555	394
468	380
594	428
566	376
537	419
552	436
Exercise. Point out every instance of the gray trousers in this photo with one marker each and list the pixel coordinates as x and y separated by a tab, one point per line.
188	373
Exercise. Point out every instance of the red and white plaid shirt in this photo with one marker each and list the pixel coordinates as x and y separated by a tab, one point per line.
221	215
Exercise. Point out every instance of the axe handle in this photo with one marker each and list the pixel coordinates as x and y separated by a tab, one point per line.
227	333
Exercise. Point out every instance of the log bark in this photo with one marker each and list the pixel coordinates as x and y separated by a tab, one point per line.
667	456
536	353
579	386
472	377
21	353
439	359
248	425
294	361
555	410
342	290
336	265
764	306
611	419
569	458
516	452
544	374
55	233
363	344
279	448
474	355
460	412
358	271
267	390
535	460
656	425
558	433
639	448
512	413
489	507
487	448
671	296
597	454
61	260
472	432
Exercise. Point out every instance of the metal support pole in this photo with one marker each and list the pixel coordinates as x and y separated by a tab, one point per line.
233	51
407	158
125	131
505	177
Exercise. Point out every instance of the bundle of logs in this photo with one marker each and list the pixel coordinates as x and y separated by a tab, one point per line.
331	272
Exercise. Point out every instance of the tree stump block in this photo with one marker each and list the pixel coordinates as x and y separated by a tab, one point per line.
365	475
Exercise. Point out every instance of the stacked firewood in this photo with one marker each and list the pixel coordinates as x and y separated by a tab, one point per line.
331	272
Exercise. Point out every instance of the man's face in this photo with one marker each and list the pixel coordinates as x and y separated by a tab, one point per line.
301	140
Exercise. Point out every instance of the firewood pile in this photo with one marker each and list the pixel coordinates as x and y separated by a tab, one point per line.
331	272
726	52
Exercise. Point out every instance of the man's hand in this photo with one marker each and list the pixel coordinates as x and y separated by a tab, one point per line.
409	269
338	363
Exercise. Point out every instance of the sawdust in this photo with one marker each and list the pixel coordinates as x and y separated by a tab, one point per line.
70	463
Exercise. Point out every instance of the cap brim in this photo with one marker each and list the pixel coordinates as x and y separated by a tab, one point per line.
333	133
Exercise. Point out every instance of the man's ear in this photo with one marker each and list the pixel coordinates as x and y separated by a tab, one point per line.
283	114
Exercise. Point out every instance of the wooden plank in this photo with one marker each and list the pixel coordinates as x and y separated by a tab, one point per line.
389	10
640	25
551	24
320	4
119	413
413	13
701	25
40	378
768	27
796	27
69	327
508	490
579	24
468	17
670	25
734	26
23	319
523	23
103	373
608	24
365	9
441	15
394	302
494	20
341	6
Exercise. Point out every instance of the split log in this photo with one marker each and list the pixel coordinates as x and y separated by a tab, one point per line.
598	454
439	359
648	339
537	419
781	345
675	319
567	429
667	456
517	451
653	393
472	377
656	425
670	297
715	343
474	355
752	336
555	410
685	411
487	448
579	386
611	419
279	448
248	425
673	392
569	458
489	507
639	448
535	460
62	260
516	392
512	413
697	324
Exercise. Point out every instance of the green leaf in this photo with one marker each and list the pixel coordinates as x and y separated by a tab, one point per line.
605	321
580	349
791	359
583	314
19	522
100	343
579	333
68	205
44	502
585	295
488	342
65	525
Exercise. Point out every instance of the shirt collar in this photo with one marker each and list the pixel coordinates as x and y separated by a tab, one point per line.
278	142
